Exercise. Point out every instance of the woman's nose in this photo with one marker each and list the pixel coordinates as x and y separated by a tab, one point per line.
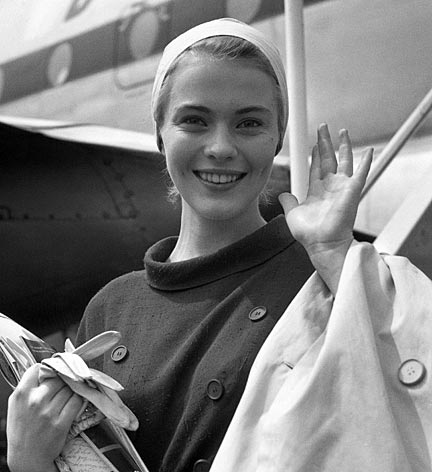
221	144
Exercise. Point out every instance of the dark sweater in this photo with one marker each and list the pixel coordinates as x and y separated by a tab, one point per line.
190	338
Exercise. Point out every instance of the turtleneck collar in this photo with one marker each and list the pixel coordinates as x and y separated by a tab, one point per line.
244	254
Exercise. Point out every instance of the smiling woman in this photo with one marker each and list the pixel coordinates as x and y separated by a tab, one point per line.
195	319
219	136
220	109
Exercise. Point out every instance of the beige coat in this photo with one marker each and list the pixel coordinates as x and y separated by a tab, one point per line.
342	384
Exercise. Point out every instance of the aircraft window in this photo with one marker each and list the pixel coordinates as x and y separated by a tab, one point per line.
243	10
139	34
143	34
59	64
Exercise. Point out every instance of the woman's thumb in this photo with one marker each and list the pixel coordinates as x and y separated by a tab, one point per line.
288	202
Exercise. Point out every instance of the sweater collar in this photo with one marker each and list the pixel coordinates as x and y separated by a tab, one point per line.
254	249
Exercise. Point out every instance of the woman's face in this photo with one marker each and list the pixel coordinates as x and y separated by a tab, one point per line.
219	135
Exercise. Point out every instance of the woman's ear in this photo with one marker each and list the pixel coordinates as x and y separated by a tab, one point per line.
160	142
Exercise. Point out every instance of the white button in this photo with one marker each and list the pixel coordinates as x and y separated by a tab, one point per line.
257	313
411	372
119	353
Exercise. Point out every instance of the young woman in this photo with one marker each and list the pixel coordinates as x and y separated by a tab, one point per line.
195	318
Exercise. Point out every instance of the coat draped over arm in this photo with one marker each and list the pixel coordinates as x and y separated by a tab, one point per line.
344	383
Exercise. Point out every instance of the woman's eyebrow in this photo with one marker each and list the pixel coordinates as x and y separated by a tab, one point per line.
253	109
240	111
199	108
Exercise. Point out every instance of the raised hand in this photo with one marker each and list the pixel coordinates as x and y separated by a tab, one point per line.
324	222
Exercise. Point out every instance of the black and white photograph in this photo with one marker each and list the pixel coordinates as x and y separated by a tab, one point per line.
216	236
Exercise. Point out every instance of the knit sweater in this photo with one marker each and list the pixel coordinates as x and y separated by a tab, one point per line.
192	330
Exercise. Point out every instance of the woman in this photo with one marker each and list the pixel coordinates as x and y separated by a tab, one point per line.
194	320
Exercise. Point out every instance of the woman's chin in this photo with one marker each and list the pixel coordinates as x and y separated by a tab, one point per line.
223	211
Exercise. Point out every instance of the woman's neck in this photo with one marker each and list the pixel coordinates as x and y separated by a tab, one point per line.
199	236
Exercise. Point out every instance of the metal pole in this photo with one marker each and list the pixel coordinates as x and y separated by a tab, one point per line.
296	78
398	140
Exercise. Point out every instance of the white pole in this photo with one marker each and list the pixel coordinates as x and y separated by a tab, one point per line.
296	77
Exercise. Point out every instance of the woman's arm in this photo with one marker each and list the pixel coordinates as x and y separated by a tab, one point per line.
324	222
39	418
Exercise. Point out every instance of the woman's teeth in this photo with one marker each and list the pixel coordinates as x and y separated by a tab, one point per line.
218	178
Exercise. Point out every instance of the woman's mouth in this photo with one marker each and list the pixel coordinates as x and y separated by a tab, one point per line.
219	178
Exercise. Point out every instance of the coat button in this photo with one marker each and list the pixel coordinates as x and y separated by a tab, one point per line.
257	313
201	465
215	389
119	353
411	372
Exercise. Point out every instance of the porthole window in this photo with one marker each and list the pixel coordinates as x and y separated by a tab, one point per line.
59	64
143	34
243	10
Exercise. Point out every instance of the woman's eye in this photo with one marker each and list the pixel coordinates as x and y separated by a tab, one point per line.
249	124
193	120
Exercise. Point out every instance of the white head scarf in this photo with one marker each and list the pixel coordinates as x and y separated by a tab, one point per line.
222	27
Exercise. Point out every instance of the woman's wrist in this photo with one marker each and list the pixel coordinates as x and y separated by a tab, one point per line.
20	460
328	260
50	467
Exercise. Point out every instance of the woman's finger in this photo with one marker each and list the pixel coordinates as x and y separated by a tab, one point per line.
345	154
364	166
61	398
71	408
326	151
30	378
288	202
50	388
315	169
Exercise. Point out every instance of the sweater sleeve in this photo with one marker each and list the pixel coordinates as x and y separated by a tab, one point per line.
91	324
88	325
102	312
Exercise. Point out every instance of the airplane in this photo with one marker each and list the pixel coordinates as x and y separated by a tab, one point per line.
94	60
81	63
